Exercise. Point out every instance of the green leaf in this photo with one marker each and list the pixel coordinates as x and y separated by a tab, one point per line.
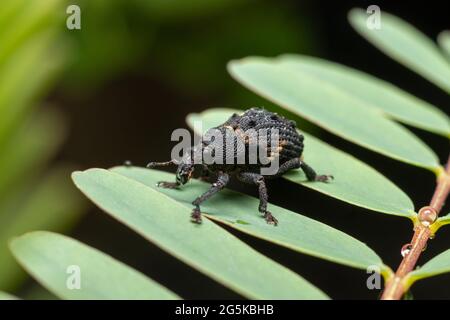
373	93
26	151
7	296
438	265
239	211
441	221
407	45
97	58
207	247
444	42
26	77
50	204
408	295
31	53
328	106
445	219
30	56
355	182
35	291
50	257
21	20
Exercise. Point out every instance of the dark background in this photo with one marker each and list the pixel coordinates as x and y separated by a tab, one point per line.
130	114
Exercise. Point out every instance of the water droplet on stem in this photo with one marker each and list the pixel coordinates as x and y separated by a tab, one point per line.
427	216
406	249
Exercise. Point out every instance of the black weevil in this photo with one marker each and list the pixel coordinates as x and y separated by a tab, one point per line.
287	149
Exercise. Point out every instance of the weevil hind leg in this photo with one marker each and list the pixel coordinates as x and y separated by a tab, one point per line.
311	175
286	166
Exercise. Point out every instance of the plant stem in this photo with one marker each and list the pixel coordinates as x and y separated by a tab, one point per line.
397	286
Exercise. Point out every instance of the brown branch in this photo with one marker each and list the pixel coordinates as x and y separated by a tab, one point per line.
396	286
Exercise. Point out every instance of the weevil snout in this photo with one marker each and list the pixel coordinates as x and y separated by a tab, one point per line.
184	172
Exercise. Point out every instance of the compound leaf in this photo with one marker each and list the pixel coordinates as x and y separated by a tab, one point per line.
327	105
207	248
407	45
239	211
373	93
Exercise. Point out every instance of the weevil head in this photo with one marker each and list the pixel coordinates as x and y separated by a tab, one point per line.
185	170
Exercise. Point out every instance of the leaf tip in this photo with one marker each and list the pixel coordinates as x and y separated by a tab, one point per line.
75	174
15	241
354	14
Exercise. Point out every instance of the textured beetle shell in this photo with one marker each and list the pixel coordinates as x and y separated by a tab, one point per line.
290	142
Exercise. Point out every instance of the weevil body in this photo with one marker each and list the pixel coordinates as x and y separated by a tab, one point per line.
272	135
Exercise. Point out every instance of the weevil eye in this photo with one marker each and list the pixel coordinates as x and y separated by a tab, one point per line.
180	177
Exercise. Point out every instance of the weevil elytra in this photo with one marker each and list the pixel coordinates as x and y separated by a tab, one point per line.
282	143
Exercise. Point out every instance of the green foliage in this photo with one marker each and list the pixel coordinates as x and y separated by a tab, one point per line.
32	54
49	256
222	256
179	9
404	43
50	204
349	103
444	42
438	265
102	49
30	147
146	34
314	96
374	93
442	221
6	296
295	231
379	194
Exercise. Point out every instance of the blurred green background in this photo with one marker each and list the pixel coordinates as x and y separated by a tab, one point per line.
115	90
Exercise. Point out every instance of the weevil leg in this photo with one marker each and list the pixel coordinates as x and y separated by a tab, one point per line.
312	175
285	167
296	163
222	181
152	165
255	178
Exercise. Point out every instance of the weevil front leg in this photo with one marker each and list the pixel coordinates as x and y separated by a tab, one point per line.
164	184
222	181
254	178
